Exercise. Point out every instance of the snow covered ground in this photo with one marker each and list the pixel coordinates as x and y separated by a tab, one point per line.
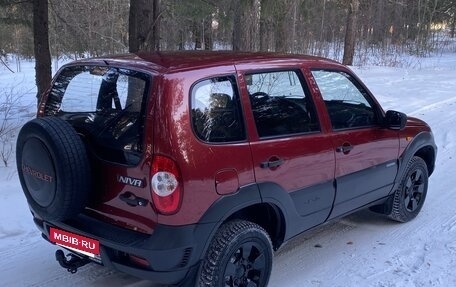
363	249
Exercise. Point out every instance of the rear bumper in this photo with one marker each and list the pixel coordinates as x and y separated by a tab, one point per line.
173	253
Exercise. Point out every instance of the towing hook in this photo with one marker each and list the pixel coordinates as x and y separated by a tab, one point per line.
71	262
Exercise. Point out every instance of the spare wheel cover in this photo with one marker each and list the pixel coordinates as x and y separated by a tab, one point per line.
38	172
53	168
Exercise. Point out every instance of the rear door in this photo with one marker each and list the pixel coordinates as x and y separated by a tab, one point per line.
366	153
106	106
291	156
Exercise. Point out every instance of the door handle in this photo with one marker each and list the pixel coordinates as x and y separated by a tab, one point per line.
344	148
132	200
272	163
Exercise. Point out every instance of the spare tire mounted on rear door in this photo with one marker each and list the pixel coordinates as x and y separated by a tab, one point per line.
53	168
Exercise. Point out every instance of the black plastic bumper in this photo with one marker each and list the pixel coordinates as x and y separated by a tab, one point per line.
173	252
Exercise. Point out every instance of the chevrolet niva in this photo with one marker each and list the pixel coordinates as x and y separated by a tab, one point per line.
190	168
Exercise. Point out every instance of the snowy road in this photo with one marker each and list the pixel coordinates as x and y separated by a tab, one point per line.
363	249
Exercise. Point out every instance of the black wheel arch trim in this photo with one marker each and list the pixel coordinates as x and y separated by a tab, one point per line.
226	205
420	141
262	193
219	211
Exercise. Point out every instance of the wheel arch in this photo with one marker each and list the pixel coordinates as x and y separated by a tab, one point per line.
427	153
267	215
247	204
423	146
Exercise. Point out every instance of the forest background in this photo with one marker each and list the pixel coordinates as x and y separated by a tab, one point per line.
350	31
404	50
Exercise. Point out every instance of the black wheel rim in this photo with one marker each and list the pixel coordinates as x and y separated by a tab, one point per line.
246	266
414	189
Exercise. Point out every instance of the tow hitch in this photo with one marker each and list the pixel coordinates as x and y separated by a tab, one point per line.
71	262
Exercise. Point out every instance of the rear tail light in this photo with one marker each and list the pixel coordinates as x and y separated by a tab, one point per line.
166	185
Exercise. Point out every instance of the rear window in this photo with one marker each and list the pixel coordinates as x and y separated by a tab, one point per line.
106	106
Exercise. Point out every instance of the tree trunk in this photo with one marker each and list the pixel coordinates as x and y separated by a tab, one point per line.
208	41
265	24
285	25
197	37
41	46
243	38
397	36
281	39
453	25
239	30
144	25
350	33
294	21
379	22
453	19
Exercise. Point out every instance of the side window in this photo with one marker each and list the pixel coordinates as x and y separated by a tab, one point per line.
216	111
347	103
280	105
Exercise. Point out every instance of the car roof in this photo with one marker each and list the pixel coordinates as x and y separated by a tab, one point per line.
171	61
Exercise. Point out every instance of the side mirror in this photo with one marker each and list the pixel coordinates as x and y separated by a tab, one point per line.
395	120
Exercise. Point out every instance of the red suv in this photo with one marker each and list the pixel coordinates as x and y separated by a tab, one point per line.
192	167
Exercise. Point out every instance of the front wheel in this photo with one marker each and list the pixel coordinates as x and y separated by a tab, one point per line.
409	197
239	255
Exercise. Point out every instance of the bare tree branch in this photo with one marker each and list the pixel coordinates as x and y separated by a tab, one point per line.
3	62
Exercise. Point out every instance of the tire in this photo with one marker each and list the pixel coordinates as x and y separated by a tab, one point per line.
227	263
409	198
53	168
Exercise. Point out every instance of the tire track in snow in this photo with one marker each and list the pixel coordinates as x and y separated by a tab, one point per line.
434	105
450	224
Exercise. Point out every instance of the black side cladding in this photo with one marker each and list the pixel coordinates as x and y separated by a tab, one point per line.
53	168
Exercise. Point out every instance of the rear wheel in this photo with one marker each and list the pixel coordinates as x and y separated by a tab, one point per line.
409	197
239	255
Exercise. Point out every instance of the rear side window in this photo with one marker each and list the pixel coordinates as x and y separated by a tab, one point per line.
216	111
280	104
106	105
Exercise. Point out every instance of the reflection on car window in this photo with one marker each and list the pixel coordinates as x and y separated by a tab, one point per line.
93	88
216	112
105	105
279	104
347	103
